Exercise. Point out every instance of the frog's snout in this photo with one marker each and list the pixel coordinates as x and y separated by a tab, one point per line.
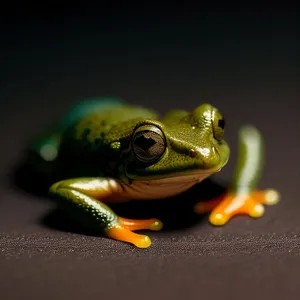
207	158
204	158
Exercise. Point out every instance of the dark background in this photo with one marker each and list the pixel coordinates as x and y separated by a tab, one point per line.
245	62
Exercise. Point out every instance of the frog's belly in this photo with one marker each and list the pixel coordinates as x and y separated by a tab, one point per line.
160	188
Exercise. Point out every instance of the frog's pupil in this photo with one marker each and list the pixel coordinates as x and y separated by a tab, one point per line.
145	142
221	123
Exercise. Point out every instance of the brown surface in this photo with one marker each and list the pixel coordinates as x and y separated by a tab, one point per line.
246	67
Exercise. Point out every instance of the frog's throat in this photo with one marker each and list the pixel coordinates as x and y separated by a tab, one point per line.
160	188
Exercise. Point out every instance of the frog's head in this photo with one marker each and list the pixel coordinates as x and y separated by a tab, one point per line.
191	145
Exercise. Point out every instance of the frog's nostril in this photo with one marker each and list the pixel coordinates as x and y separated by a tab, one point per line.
192	153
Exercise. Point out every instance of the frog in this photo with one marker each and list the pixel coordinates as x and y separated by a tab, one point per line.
105	150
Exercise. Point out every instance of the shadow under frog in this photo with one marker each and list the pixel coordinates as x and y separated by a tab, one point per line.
176	213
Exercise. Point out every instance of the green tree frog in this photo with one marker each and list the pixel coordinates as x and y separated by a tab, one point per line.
105	150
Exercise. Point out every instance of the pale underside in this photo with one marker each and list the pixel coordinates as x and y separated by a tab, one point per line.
153	189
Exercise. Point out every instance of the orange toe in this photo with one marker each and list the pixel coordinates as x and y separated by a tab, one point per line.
150	224
122	234
229	205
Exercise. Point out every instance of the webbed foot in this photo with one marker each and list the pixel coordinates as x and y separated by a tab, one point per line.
228	205
242	195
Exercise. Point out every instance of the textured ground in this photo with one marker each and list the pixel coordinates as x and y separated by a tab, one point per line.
248	68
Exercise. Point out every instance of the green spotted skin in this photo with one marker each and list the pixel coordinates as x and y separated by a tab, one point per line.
90	155
99	137
91	213
96	144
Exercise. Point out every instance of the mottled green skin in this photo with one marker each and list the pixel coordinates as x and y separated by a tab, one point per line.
94	141
100	139
95	144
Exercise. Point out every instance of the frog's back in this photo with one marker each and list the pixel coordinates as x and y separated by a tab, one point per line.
51	139
80	136
92	135
104	119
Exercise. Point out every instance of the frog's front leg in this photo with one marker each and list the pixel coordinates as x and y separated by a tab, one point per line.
83	198
242	197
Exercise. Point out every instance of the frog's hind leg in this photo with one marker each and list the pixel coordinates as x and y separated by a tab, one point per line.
242	197
82	197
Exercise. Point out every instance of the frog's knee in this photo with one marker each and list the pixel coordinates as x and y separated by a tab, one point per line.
56	187
59	186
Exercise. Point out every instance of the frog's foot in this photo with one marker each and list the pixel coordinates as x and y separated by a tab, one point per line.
122	231
223	208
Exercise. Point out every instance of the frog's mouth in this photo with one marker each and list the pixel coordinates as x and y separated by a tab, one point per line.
194	171
188	174
196	175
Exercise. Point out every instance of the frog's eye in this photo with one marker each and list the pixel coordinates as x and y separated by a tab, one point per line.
218	123
148	143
